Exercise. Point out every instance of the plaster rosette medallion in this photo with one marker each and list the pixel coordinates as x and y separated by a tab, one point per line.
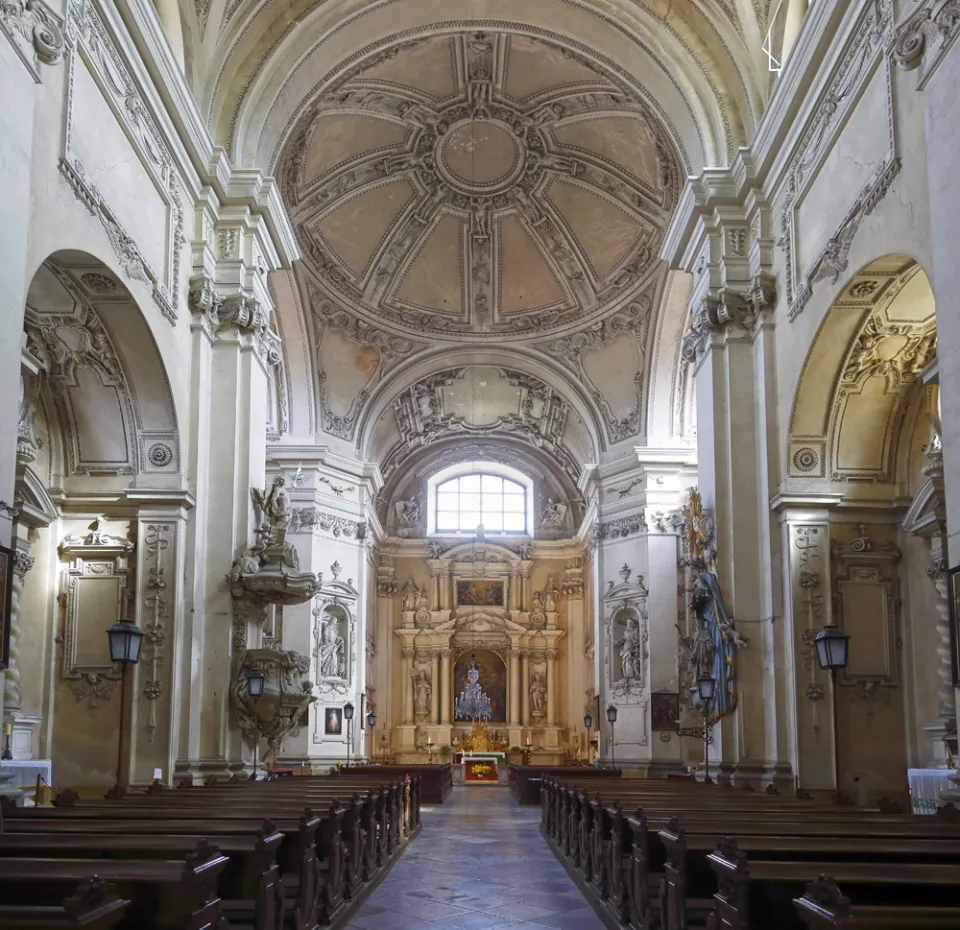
480	186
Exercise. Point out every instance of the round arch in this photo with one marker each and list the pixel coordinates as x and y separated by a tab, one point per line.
102	375
858	381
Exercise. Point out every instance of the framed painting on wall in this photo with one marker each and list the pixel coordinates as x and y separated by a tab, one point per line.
479	592
953	596
6	595
332	721
664	710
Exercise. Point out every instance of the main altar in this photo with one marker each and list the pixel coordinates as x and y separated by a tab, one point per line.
480	759
479	606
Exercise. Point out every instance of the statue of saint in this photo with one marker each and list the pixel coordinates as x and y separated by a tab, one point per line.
330	651
550	594
409	595
538	691
630	650
422	690
551	517
702	650
274	504
422	598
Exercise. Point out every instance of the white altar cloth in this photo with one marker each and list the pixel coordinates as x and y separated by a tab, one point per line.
925	788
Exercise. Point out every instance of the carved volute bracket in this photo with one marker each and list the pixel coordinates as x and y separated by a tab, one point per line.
924	38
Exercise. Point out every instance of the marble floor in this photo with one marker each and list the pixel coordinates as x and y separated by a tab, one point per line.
479	863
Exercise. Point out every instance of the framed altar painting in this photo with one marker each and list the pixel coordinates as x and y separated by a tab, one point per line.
332	721
953	596
664	710
477	592
6	595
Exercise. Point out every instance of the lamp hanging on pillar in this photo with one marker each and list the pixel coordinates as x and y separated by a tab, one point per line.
832	646
612	719
255	682
348	716
588	722
125	639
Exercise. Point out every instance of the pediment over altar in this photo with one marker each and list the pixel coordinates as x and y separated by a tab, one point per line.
494	558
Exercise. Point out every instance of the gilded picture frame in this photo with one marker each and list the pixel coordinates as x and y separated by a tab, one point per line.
6	597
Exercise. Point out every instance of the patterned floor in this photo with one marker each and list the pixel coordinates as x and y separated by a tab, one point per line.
479	863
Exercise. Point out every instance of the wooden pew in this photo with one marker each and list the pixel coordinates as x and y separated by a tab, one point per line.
752	895
823	907
313	888
163	893
251	887
525	780
436	781
94	905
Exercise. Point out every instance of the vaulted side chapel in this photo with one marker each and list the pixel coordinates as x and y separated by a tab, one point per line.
481	377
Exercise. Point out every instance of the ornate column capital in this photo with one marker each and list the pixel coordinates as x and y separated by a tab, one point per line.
35	32
407	652
923	39
730	311
22	563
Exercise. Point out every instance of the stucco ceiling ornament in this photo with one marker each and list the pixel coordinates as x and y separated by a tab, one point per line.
895	352
504	205
423	418
34	30
926	36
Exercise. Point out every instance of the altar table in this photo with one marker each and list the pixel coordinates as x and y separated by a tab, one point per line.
925	788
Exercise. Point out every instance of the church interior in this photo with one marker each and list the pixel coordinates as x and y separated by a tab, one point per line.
535	416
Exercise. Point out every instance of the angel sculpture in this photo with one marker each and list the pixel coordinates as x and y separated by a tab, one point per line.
273	510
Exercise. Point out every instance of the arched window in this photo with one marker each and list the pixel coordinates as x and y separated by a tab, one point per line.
496	498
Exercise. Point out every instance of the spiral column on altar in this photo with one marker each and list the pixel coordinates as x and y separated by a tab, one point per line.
434	685
524	689
514	688
406	676
445	686
552	687
12	691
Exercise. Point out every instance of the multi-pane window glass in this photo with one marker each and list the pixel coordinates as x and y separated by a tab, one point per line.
496	503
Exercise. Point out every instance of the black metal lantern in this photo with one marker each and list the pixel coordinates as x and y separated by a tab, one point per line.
372	718
255	682
125	641
587	721
611	714
348	712
831	644
706	688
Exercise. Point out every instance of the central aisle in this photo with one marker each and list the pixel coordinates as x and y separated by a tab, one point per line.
479	863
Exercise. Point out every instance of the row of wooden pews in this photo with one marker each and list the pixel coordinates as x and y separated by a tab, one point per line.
679	855
287	854
525	780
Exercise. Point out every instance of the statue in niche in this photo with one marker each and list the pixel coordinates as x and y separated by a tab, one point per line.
630	651
273	504
538	692
409	595
550	595
408	512
551	517
330	651
422	691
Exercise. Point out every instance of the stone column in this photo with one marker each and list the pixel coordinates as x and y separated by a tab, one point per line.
515	601
435	686
12	692
406	678
524	588
524	689
514	687
552	687
445	676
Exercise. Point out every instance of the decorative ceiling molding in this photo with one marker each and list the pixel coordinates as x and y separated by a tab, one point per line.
499	217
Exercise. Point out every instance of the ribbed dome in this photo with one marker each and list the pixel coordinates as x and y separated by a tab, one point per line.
480	186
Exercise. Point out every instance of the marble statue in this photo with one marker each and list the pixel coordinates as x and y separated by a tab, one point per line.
538	692
551	517
274	505
550	595
330	652
422	690
630	655
409	595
